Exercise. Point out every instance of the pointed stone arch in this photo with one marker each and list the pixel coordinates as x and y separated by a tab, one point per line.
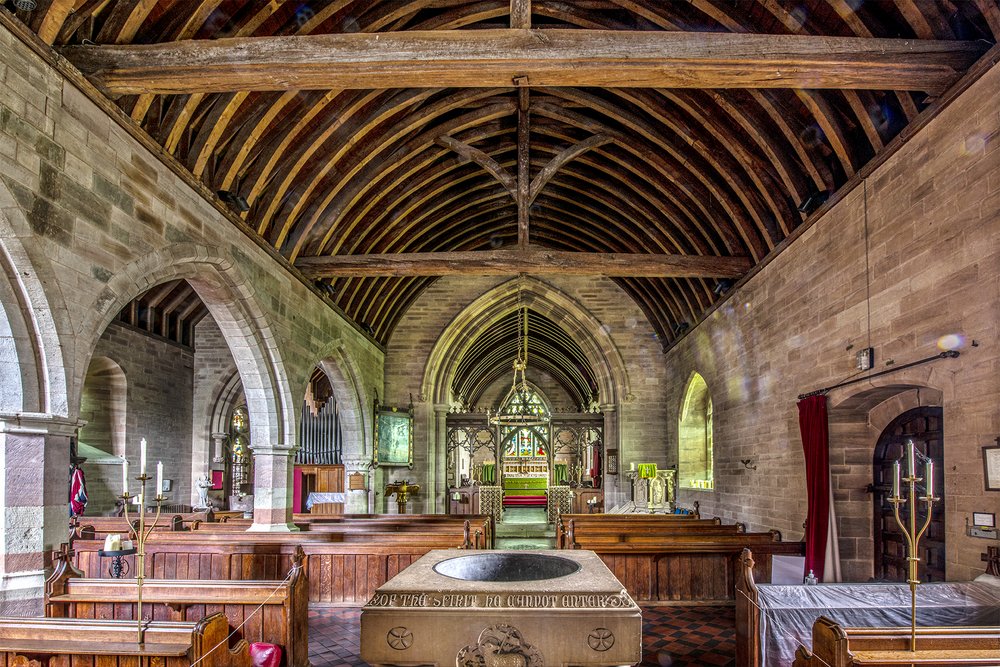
34	365
230	298
589	332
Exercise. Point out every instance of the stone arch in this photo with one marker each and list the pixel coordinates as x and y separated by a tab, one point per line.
694	434
230	299
34	376
857	417
489	308
353	402
103	405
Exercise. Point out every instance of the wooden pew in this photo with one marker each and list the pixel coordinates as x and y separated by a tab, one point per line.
37	641
354	529
834	646
662	563
274	612
572	529
109	525
962	603
339	572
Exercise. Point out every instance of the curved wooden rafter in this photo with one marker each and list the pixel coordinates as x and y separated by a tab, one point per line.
698	171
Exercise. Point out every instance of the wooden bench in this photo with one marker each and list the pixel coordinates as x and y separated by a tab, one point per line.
679	567
834	646
768	630
340	573
273	612
58	641
574	528
479	524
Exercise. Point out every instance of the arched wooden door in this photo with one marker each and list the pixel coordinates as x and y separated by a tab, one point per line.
925	426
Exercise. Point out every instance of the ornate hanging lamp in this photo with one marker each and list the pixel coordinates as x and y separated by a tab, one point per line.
518	409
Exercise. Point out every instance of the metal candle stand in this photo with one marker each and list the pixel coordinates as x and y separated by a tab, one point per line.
140	542
910	531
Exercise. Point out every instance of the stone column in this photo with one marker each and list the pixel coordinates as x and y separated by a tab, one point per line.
358	502
443	481
34	491
614	485
272	482
218	449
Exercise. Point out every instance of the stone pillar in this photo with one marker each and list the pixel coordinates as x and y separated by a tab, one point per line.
218	448
272	483
614	487
34	492
443	481
358	501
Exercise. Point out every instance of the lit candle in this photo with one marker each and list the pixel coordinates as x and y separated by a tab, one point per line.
911	461
159	478
929	478
142	456
895	478
124	476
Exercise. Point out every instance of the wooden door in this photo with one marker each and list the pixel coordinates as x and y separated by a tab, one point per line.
925	426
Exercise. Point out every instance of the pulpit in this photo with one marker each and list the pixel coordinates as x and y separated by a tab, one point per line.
402	491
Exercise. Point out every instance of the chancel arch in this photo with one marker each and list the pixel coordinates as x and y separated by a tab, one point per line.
587	367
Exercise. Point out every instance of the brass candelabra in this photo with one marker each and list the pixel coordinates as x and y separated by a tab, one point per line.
141	535
910	531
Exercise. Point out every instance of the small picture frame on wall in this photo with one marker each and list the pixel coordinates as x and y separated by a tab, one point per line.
984	520
991	468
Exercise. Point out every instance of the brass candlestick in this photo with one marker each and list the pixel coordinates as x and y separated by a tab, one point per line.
142	534
910	531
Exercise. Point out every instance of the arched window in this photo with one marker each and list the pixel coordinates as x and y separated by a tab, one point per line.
694	436
530	440
240	457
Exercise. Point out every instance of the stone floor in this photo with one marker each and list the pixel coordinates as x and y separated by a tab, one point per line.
525	528
672	636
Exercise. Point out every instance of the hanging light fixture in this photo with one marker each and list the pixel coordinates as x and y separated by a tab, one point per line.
518	409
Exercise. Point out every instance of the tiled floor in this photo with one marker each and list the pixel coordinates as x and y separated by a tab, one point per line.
672	636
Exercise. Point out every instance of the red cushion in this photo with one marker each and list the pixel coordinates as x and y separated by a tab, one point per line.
524	500
265	655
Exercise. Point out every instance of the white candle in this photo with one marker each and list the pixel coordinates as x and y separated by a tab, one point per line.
124	476
631	466
895	479
911	461
929	478
159	478
142	456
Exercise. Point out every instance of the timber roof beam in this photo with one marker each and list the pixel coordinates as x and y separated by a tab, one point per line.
533	57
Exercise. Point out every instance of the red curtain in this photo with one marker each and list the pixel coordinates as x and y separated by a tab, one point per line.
816	445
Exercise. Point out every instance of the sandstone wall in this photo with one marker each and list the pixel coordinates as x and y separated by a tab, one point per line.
932	233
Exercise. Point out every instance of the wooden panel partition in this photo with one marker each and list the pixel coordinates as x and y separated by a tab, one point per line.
670	559
108	643
339	572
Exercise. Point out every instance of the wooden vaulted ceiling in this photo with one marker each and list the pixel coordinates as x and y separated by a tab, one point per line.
701	167
550	350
